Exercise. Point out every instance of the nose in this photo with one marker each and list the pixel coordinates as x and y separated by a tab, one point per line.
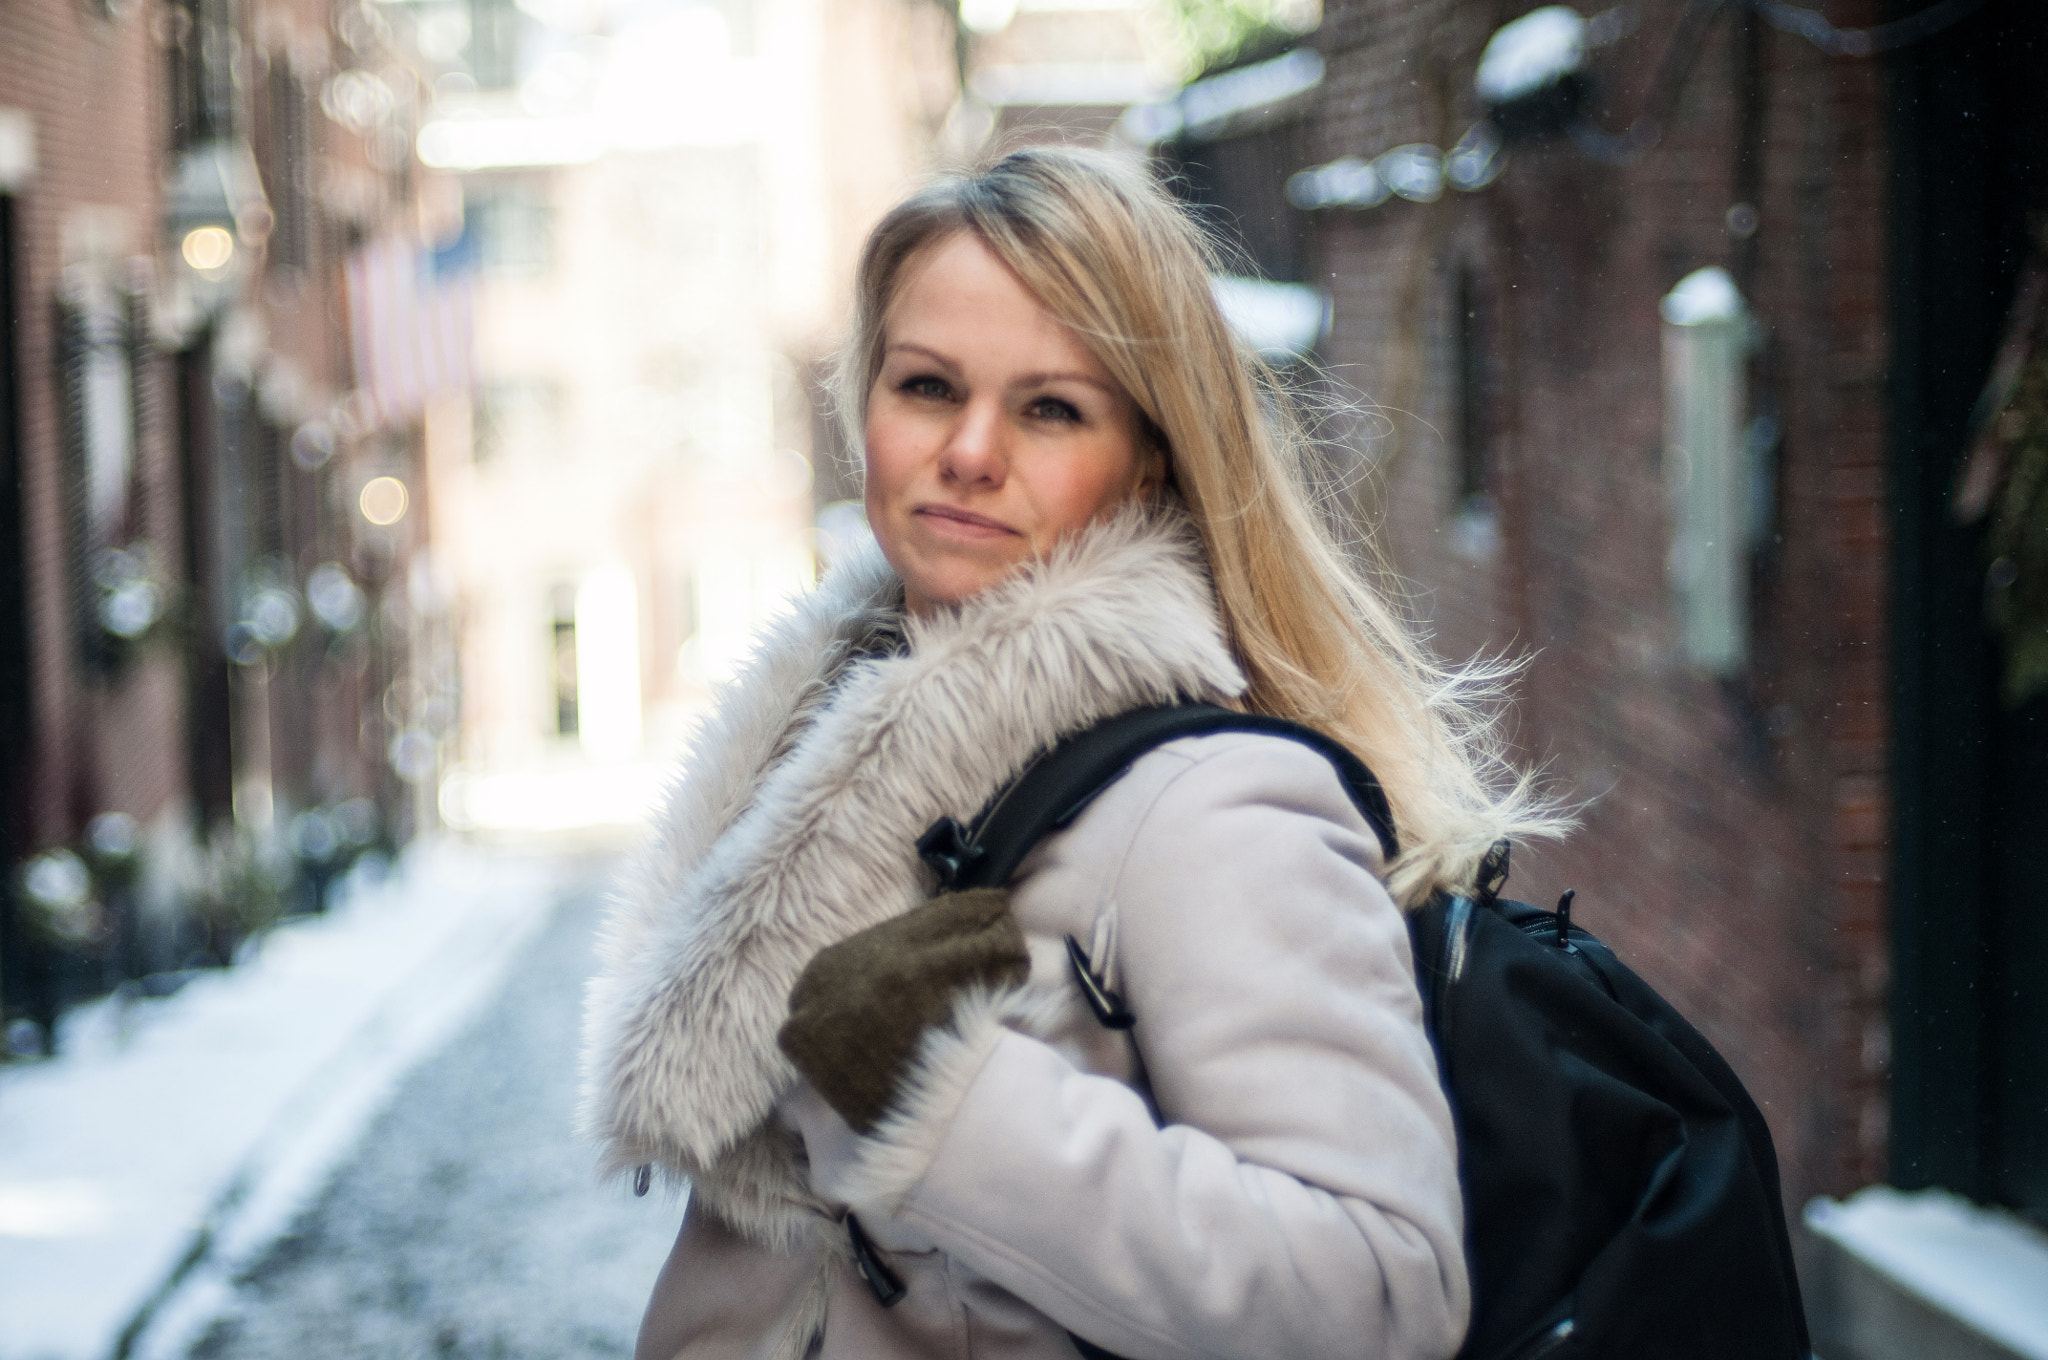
974	453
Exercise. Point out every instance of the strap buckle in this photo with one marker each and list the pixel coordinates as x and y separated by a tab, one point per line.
1109	1008
886	1286
946	847
1493	873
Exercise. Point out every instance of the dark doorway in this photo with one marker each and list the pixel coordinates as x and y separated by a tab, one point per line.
1238	186
16	734
206	676
1970	762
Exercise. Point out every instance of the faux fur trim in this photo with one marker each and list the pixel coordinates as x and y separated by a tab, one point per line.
809	1323
794	826
891	1160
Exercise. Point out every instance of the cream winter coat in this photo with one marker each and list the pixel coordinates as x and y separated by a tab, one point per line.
1270	1173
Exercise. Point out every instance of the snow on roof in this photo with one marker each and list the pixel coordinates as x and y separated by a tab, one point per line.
17	149
1538	49
1417	172
1346	182
1477	160
1207	103
1205	106
1414	171
1703	296
1281	321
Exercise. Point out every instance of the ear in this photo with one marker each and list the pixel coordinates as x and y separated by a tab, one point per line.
1155	458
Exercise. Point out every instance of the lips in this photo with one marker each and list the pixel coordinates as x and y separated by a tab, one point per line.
952	521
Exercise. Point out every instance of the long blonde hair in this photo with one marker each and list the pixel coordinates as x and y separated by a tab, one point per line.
1111	254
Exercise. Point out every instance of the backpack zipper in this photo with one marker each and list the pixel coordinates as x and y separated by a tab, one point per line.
1549	1343
1458	939
1109	1008
1451	967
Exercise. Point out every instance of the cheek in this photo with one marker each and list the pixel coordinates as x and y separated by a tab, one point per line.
1094	487
888	459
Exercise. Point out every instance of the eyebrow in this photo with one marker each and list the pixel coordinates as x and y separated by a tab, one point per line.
1025	380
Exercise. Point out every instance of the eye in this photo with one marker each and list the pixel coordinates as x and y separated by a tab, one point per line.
929	386
1054	409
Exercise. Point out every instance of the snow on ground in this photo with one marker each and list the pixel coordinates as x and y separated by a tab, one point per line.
187	1131
467	1222
1981	1265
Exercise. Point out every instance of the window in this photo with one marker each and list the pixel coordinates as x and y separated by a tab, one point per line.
514	226
98	346
105	408
1707	453
16	726
1475	517
1469	377
519	415
288	167
562	659
202	44
494	43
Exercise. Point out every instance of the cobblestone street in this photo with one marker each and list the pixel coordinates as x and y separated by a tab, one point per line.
467	1223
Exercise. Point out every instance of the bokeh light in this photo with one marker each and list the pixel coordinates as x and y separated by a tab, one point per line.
208	248
383	500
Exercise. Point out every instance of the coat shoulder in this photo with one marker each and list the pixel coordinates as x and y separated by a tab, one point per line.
1169	792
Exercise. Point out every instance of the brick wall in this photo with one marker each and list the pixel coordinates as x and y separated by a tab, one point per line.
1732	842
94	80
88	81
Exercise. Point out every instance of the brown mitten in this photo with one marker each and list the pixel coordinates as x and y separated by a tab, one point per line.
860	1008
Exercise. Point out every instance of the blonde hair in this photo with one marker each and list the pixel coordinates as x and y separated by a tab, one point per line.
1109	253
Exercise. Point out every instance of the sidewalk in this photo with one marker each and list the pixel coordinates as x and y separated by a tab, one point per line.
174	1138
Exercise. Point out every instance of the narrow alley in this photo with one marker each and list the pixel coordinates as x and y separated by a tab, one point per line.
467	1222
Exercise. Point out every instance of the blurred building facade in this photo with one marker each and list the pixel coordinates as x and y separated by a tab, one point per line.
1734	839
203	618
666	201
1670	322
1062	70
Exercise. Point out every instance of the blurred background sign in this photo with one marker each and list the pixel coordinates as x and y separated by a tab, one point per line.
412	325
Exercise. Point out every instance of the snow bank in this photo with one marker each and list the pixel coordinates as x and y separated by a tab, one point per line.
192	1128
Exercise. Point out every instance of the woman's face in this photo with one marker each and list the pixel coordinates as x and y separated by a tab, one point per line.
992	431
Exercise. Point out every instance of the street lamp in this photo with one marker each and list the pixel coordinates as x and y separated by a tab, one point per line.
215	213
208	249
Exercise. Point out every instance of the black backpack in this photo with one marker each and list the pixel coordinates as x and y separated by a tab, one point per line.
1621	1189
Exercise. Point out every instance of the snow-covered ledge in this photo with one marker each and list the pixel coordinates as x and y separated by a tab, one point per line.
1901	1276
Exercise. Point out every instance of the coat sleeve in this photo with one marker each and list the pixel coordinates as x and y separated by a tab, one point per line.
1298	1196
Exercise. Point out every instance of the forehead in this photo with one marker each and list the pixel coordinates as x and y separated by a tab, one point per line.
956	293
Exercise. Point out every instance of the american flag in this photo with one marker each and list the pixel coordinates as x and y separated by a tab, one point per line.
412	324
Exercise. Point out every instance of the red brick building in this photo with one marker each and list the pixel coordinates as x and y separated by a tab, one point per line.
82	195
180	184
1815	833
1734	837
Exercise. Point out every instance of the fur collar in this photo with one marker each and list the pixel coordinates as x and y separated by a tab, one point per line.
802	795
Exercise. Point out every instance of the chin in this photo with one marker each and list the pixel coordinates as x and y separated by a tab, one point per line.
953	593
948	574
958	586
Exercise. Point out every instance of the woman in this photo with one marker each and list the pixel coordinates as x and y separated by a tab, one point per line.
1084	503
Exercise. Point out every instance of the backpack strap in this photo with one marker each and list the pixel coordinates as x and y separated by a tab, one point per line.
1055	788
